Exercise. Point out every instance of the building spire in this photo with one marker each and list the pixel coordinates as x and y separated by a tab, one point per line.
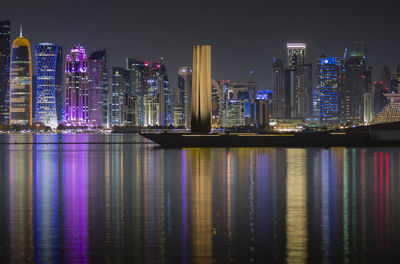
20	30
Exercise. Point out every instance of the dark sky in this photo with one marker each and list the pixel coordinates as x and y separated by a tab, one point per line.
243	34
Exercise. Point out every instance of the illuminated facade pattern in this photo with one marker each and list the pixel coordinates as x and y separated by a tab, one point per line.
201	89
76	88
98	88
391	112
329	88
296	53
48	57
185	94
21	82
5	34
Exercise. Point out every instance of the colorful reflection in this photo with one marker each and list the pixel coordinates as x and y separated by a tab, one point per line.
81	203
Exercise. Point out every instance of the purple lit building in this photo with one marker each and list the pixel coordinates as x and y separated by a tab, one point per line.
76	88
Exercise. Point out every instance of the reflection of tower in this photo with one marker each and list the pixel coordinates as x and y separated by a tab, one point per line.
296	217
201	208
21	82
201	89
48	69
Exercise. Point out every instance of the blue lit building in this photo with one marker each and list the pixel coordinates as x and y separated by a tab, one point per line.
262	108
329	89
48	109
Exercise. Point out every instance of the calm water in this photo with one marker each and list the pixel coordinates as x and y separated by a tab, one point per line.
136	203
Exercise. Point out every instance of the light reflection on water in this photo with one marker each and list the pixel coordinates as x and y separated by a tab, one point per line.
139	203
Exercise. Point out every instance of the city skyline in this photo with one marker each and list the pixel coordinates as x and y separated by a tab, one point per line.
250	40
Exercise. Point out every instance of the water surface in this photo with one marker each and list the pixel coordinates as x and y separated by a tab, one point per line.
138	203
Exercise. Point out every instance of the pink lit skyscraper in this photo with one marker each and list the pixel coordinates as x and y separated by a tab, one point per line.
76	87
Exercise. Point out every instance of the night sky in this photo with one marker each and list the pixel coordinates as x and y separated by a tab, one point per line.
244	34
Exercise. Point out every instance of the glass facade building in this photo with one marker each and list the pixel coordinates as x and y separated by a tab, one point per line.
76	88
5	35
329	89
98	88
21	82
48	57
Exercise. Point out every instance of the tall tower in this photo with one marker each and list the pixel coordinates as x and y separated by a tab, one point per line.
278	96
76	87
185	94
48	68
296	54
21	82
201	89
354	88
4	70
98	88
329	87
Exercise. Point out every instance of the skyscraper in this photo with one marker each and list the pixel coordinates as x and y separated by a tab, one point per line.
354	88
278	96
185	94
21	82
76	87
201	89
48	57
296	54
303	91
120	92
329	89
98	88
4	70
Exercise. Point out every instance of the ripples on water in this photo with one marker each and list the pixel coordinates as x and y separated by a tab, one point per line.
80	203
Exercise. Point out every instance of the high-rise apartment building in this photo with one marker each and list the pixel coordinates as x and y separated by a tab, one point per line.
5	35
278	96
21	82
296	53
48	58
329	89
76	88
98	88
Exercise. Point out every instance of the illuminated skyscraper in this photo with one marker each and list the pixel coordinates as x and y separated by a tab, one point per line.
201	89
184	94
98	88
329	89
354	88
296	54
21	82
303	101
120	91
76	87
4	70
278	96
48	57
